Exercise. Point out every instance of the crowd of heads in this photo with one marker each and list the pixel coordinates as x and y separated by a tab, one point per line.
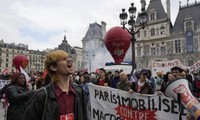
83	77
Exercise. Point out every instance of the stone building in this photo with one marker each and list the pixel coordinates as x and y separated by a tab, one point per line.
93	43
8	51
161	41
79	58
36	57
153	42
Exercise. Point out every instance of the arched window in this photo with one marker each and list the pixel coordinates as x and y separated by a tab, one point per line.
152	32
162	30
145	33
152	16
157	31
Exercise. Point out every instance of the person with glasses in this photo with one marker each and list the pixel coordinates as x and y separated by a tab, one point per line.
62	98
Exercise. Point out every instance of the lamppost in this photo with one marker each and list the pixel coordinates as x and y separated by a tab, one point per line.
131	22
1	61
90	57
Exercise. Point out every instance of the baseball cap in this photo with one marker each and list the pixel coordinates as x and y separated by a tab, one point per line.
143	71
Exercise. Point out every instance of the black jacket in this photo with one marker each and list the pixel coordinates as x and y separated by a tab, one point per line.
34	110
3	90
146	88
17	98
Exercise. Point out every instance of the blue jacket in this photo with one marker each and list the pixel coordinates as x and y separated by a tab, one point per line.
114	82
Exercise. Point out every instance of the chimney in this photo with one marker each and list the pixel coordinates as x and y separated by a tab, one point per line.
168	7
103	25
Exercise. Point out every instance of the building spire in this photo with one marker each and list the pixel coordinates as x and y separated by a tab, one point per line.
64	34
64	40
187	2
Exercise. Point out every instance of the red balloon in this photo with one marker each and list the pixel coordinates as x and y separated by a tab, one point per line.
20	60
117	41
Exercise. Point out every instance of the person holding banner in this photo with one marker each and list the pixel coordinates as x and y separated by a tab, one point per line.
62	99
124	84
115	80
153	81
103	78
143	85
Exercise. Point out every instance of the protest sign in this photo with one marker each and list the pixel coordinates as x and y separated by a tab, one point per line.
113	104
165	66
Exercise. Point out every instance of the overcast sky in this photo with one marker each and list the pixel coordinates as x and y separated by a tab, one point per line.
40	24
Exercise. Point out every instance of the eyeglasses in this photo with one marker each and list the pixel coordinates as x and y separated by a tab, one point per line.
68	59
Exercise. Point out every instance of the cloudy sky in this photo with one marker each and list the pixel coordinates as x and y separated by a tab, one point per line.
40	24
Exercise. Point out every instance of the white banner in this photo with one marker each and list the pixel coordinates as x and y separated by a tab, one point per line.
165	66
3	83
112	104
195	66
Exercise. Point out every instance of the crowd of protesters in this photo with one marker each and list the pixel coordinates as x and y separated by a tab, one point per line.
47	98
141	81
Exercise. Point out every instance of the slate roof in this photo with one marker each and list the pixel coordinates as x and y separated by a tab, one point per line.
157	5
191	10
94	30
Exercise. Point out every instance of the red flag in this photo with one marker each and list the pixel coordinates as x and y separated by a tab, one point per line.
44	74
5	71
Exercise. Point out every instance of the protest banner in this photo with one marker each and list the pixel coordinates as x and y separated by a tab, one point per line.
165	66
113	104
195	66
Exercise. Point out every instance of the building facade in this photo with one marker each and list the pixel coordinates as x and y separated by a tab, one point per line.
79	58
93	43
162	41
36	57
9	51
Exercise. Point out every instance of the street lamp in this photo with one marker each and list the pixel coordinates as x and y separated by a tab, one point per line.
1	61
90	57
131	22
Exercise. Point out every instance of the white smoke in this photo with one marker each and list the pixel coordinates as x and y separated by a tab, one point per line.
101	57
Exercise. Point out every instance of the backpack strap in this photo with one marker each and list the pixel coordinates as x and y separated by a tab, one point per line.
44	103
